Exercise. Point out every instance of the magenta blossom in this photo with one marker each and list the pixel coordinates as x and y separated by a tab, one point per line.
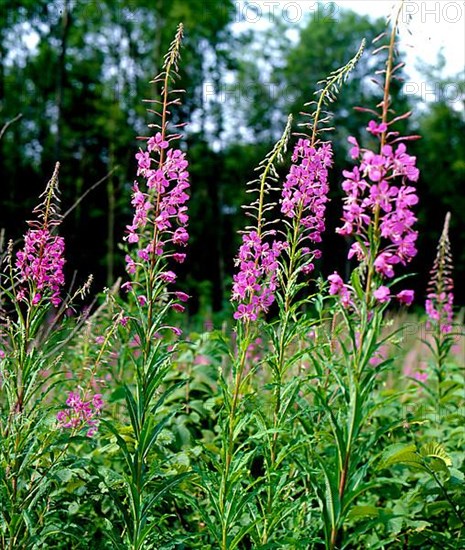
338	288
406	297
382	294
305	191
81	412
256	282
41	262
378	205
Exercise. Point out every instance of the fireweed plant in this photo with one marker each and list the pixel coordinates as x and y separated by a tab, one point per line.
33	333
439	309
115	433
444	395
273	266
303	199
229	486
377	214
156	240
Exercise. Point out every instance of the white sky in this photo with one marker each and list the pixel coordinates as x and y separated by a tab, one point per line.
434	24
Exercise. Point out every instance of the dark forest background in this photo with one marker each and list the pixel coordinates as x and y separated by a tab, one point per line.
78	71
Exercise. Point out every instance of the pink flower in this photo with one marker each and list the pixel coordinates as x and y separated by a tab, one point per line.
168	276
41	263
382	294
305	192
384	264
375	128
175	330
81	412
177	257
355	151
143	161
337	287
336	283
256	281
405	297
157	142
182	296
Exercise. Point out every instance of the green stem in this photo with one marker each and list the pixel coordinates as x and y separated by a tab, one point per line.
229	450
455	509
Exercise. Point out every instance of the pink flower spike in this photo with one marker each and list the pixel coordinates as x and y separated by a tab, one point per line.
41	262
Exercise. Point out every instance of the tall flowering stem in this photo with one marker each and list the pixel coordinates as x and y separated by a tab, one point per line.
439	305
378	215
379	197
253	292
36	278
39	265
304	195
160	208
30	355
156	240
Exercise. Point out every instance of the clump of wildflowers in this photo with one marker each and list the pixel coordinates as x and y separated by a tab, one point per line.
440	298
305	193
303	200
82	412
256	281
378	212
40	263
163	207
160	219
